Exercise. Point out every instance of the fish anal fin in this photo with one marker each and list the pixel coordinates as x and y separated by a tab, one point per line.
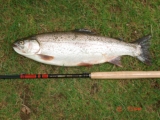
46	57
116	61
84	31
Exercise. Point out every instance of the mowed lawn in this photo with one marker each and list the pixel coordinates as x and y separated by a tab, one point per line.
78	99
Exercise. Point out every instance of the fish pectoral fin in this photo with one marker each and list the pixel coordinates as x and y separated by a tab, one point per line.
116	61
46	57
86	31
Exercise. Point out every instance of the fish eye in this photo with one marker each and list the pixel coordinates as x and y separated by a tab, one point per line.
21	43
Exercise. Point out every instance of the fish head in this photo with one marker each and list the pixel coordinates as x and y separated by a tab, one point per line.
26	47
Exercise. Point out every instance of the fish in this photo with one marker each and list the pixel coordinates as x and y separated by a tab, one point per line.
81	47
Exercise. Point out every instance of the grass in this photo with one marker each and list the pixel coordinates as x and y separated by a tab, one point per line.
78	98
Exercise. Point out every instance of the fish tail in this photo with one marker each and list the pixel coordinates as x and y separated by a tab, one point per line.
144	43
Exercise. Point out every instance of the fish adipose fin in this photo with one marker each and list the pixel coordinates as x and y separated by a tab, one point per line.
144	42
84	31
116	61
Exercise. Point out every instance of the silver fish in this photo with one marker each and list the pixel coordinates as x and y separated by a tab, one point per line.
80	48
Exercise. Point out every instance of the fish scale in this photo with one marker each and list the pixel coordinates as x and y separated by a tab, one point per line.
80	48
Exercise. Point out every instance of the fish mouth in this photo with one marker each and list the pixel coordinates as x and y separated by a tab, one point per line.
16	48
14	45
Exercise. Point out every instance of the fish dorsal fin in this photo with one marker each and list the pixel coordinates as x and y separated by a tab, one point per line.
116	61
83	31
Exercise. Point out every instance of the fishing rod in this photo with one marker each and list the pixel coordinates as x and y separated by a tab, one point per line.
93	75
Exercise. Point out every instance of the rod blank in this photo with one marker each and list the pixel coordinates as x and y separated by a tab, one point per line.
9	76
43	76
93	75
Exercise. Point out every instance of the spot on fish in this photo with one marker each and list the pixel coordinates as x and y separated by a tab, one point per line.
85	64
46	57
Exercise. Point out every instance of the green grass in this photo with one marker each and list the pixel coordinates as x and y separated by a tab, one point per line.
78	98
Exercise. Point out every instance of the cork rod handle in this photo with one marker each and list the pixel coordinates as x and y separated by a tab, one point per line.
125	75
